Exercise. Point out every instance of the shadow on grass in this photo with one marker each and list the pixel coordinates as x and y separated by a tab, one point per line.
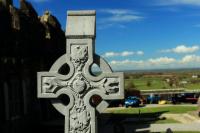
127	123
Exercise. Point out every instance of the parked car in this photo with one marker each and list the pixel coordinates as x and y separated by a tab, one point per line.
185	98
153	99
132	101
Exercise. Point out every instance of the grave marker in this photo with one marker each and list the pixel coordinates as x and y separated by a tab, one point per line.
78	82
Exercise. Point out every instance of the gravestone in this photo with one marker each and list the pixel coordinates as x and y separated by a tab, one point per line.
71	75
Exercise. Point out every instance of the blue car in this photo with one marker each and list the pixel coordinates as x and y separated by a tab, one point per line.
132	101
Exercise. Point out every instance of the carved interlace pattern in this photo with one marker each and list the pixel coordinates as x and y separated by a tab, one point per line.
79	117
79	84
79	56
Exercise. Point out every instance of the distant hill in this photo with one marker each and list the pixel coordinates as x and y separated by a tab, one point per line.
163	70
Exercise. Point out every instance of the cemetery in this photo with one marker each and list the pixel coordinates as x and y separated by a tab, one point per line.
48	83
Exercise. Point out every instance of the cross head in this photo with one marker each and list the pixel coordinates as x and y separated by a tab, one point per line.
78	83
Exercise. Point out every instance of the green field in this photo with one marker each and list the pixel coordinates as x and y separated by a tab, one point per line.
142	83
154	110
164	80
193	86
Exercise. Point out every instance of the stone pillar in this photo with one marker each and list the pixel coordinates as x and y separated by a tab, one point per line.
6	3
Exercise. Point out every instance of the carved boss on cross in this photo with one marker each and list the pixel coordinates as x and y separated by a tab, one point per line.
79	84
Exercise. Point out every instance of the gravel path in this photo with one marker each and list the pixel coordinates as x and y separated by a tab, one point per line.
175	127
182	118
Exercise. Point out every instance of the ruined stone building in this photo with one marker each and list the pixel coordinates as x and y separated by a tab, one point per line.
28	44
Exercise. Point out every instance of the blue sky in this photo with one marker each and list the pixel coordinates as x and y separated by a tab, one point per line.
139	34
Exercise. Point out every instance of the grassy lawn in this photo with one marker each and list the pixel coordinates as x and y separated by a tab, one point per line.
154	110
154	83
157	83
193	86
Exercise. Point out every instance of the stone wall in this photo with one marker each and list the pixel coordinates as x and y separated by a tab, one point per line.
29	44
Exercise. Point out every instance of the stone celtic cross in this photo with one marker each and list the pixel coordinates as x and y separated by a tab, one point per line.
78	82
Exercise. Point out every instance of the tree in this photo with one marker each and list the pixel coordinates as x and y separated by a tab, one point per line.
148	83
171	83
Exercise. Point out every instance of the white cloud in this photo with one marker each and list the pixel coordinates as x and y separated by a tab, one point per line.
123	53
110	54
178	2
119	16
127	53
126	62
123	18
188	61
140	53
162	61
118	11
190	58
182	49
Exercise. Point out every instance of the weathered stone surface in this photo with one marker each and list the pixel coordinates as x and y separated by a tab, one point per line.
50	22
27	9
78	84
81	24
6	3
15	18
25	50
22	33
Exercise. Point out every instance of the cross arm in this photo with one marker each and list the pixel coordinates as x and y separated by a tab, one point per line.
111	85
49	83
